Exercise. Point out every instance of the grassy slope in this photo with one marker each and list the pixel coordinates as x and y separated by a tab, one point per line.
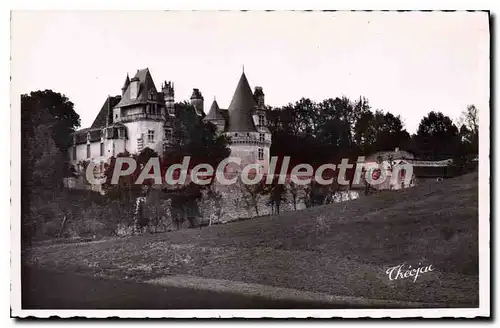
342	249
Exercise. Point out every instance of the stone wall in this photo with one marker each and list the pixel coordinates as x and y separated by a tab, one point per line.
234	202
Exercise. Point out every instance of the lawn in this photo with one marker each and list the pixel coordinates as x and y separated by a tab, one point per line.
339	249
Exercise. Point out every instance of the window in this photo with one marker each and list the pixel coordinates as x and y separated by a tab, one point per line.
171	110
121	133
114	149
151	136
74	153
261	137
168	134
102	149
261	154
262	120
236	134
88	151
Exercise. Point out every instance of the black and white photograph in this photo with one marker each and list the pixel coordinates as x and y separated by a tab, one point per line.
250	164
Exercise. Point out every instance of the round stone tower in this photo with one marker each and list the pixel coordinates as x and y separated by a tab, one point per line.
250	139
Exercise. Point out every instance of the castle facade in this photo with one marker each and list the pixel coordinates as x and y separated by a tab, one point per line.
143	117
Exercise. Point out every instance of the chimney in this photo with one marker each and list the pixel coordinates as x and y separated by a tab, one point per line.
259	97
134	88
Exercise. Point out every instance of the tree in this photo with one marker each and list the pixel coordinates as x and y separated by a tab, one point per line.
200	141
252	195
294	191
437	137
276	193
378	132
61	115
196	139
47	118
469	131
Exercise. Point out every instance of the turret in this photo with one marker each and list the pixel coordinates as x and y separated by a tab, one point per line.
168	94
197	101
215	117
250	139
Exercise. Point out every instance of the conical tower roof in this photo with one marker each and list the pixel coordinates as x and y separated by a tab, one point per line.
241	108
214	113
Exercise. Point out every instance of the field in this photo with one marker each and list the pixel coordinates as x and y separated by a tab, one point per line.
340	249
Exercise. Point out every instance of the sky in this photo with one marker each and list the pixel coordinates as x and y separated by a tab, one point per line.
406	63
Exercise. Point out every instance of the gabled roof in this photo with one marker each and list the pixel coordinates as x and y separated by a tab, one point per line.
146	85
214	113
105	115
81	135
241	108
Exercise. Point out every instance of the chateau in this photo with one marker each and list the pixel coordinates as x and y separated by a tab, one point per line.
143	117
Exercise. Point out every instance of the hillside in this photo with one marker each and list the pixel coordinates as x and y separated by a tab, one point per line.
339	249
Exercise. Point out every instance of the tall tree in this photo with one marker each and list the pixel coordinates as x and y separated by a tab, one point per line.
379	131
200	141
62	116
437	137
47	118
469	131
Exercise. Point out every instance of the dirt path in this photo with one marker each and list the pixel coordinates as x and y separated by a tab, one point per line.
43	289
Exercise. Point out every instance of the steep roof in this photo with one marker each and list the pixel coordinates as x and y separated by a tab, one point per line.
146	85
126	84
105	115
241	108
214	113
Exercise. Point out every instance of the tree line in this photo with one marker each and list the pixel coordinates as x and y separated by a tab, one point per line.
316	132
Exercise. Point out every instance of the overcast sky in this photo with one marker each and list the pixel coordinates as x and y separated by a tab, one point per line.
406	63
